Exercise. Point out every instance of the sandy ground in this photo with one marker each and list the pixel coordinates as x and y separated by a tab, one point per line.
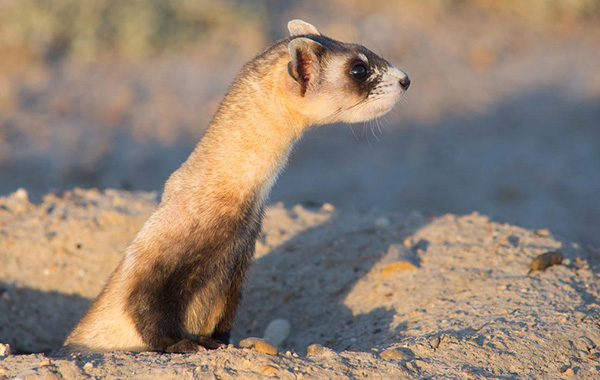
461	305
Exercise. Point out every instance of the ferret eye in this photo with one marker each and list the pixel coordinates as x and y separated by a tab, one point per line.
359	71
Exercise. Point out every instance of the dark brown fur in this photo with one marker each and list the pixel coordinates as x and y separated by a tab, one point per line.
159	300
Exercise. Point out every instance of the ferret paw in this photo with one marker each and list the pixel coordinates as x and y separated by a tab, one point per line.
186	346
210	343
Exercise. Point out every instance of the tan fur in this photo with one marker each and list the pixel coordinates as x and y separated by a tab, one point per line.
114	331
230	172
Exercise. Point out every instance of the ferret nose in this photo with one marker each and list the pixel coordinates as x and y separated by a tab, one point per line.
405	82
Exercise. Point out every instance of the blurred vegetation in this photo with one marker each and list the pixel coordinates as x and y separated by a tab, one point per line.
539	11
81	29
543	10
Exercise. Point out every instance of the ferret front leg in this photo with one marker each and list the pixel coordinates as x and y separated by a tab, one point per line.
202	343
185	346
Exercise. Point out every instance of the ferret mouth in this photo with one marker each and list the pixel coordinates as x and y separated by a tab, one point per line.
376	107
386	101
382	109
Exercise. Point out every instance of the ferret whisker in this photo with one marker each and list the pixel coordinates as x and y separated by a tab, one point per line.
373	132
379	125
353	134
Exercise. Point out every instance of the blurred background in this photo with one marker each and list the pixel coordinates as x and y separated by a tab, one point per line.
502	117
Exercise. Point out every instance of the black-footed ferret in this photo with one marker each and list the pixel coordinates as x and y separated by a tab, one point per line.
180	282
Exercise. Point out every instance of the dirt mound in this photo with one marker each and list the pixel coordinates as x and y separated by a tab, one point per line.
451	296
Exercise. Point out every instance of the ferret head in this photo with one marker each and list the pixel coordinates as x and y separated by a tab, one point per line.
339	82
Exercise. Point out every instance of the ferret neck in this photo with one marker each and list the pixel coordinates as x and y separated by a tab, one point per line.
242	151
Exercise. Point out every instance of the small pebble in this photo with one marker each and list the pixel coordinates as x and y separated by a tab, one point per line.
260	345
248	342
277	331
583	343
269	370
328	207
398	258
266	348
44	363
21	194
393	268
434	341
398	252
4	349
393	355
88	365
315	349
569	371
542	232
545	260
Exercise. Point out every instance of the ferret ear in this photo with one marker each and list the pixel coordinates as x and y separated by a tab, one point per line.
299	27
304	65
